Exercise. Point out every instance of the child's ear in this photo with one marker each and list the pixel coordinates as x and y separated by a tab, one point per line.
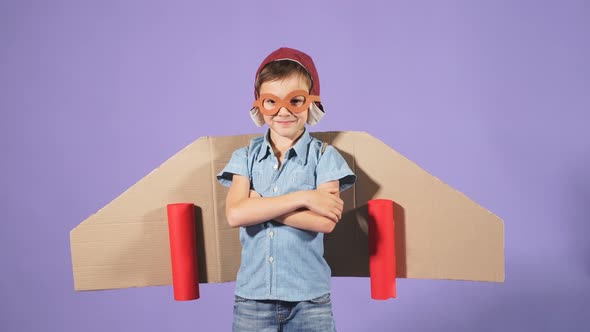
314	114
256	117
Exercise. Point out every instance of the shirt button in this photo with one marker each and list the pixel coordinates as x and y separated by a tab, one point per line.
275	189
271	259
271	234
275	166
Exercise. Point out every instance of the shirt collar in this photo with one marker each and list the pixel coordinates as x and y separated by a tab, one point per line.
300	148
266	148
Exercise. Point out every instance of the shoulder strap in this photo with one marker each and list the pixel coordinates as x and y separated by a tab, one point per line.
324	146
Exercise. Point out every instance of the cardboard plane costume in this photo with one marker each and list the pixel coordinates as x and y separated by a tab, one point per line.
439	232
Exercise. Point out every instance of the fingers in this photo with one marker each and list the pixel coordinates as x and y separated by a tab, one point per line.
333	217
330	190
334	213
337	205
326	204
331	196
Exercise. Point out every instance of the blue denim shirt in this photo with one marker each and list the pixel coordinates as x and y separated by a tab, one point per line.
280	262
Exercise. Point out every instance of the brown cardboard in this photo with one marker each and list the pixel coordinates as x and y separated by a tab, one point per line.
440	233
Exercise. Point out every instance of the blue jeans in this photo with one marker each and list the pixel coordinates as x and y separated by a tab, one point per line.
282	316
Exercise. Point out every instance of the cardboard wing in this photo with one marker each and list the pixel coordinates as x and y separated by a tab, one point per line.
440	233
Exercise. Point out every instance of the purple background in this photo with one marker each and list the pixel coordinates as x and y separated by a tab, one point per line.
492	97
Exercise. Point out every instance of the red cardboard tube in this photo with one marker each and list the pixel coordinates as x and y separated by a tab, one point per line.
183	251
381	249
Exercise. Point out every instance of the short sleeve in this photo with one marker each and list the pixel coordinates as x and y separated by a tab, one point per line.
238	164
332	166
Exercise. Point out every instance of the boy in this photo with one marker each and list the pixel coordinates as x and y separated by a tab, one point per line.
284	195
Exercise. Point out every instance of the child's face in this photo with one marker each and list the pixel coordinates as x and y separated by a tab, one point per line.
284	123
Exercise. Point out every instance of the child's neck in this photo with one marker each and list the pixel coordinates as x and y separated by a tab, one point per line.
280	144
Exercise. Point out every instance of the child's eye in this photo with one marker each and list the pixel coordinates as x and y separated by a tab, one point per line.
298	101
268	103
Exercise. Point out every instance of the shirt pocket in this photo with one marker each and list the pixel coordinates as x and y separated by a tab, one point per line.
303	180
260	181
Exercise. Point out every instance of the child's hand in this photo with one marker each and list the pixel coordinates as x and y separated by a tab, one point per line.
253	194
325	203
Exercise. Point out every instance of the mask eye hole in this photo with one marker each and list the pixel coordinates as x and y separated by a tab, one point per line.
269	104
297	101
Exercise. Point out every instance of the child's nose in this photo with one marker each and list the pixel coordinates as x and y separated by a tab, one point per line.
284	111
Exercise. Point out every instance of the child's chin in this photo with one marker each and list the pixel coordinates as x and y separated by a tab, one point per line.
287	131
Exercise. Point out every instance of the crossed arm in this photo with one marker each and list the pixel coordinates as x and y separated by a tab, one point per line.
313	210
